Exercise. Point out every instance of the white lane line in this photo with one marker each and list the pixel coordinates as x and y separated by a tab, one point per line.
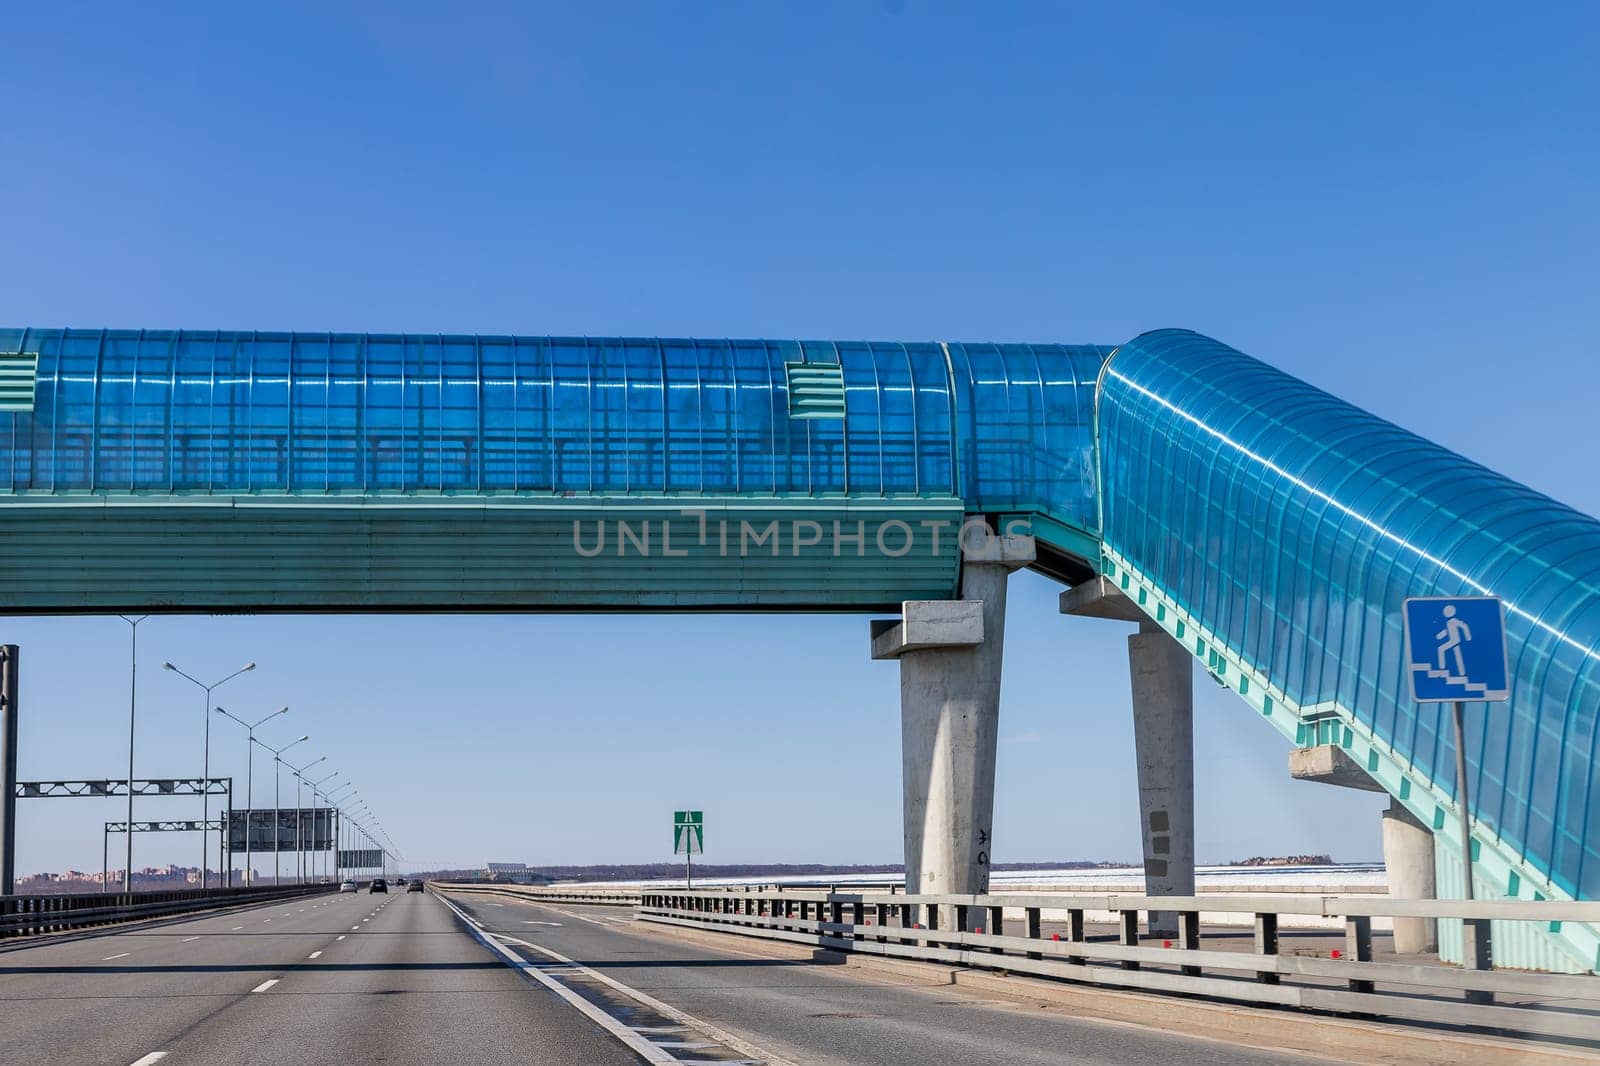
236	928
148	1060
529	921
187	939
366	919
354	928
266	919
722	1035
122	955
647	1050
341	936
314	955
264	985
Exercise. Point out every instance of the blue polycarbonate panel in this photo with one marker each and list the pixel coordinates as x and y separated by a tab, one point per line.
1293	525
226	413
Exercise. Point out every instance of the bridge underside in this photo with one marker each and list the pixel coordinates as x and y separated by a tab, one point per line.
209	554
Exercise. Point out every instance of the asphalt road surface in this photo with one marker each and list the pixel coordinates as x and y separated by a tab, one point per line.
419	978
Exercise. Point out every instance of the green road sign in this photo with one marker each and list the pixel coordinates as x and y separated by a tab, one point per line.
688	833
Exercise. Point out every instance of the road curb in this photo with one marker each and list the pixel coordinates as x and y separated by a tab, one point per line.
1349	1040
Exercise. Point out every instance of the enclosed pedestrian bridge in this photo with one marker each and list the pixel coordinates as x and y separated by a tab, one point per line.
1268	529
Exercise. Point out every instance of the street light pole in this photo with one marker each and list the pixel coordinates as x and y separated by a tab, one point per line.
277	806
249	778
205	795
133	707
316	787
299	818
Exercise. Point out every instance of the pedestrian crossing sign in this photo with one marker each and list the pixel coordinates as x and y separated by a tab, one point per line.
1456	649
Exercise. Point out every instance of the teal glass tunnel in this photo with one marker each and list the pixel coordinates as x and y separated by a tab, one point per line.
1290	523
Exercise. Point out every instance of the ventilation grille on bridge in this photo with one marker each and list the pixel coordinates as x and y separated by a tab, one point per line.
816	390
17	373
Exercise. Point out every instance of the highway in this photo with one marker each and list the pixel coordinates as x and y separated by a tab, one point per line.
409	978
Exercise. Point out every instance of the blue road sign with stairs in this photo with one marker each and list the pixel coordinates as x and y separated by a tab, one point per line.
1456	648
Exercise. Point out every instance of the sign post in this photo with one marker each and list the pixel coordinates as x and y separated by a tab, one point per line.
688	839
1455	652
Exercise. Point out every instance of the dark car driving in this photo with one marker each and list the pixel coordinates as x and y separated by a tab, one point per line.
379	885
414	885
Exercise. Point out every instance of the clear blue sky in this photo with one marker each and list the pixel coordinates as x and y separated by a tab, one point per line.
1396	202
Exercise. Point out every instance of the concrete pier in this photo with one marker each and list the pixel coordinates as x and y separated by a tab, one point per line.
1407	843
1408	860
1162	680
950	658
1162	677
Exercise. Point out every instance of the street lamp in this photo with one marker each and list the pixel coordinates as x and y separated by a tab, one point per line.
299	817
249	778
133	707
339	830
277	805
205	795
316	787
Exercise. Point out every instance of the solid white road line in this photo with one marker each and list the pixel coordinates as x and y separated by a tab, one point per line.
153	1057
670	1011
189	938
123	955
264	985
644	1048
314	955
529	921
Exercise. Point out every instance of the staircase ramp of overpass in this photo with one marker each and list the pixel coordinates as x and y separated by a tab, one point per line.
1271	528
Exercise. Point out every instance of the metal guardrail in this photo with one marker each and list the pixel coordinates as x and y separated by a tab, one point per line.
929	928
621	897
32	914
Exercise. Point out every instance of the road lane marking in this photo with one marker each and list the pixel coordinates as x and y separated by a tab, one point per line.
153	1057
266	919
633	1040
236	928
529	921
354	928
264	985
123	955
314	955
722	1035
366	919
189	938
341	936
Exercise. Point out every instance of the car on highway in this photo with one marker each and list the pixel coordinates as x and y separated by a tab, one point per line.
379	885
400	881
414	886
349	885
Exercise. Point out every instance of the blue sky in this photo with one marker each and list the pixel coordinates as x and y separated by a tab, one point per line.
1395	202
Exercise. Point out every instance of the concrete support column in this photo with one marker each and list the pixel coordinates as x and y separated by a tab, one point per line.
1163	736
1408	858
950	657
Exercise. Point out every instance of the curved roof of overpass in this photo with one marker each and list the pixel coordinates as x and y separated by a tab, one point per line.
1272	527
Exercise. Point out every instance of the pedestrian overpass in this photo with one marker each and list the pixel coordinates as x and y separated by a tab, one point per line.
1263	527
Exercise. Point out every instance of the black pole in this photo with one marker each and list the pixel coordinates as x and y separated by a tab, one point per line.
8	768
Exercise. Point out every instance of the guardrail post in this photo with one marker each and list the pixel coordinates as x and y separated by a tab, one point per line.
1266	944
858	917
1189	938
1358	947
1477	954
1076	934
1129	934
1033	917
